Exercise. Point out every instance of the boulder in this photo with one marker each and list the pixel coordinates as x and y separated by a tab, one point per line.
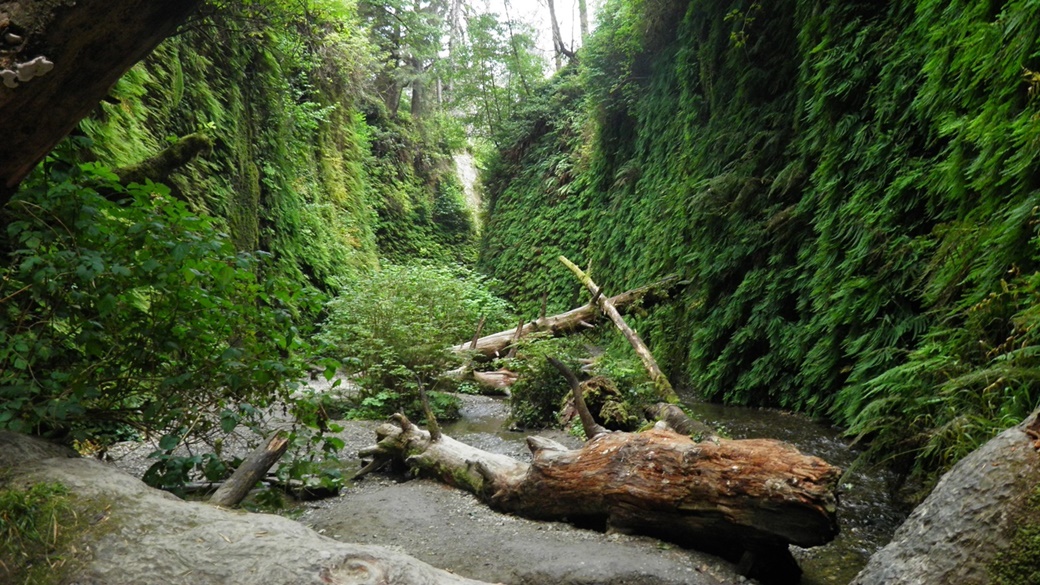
142	535
965	531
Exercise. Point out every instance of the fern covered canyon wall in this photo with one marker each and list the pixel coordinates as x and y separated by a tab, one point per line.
850	189
848	192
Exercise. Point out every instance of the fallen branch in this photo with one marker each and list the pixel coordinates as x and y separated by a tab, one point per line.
251	471
497	344
661	383
592	428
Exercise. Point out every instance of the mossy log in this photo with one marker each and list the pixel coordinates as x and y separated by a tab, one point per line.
723	496
579	319
159	167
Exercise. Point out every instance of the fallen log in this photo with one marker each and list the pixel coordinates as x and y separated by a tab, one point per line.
727	497
251	471
497	344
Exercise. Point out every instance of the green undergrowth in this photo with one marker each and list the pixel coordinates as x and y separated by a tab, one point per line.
617	388
43	531
183	303
851	193
393	330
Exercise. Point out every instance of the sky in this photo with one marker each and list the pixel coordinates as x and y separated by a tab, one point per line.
536	12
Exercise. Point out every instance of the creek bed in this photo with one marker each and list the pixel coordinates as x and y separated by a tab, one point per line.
451	529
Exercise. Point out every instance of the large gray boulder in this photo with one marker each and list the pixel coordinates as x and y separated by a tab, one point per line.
145	535
957	533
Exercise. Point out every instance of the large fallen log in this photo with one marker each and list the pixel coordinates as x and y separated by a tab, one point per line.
728	497
497	344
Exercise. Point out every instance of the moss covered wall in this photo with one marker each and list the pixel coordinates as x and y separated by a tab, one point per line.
850	190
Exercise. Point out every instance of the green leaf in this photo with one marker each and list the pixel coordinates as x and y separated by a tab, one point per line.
169	442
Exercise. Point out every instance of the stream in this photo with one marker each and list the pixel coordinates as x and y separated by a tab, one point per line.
867	516
451	529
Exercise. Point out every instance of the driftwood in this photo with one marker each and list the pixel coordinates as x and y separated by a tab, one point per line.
251	471
498	379
729	497
675	419
661	383
497	344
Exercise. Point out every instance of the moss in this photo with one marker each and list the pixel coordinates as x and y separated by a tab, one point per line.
1020	561
43	529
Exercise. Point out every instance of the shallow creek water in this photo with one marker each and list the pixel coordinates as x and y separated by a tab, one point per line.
867	515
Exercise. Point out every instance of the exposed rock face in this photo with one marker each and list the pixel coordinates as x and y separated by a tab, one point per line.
150	536
970	517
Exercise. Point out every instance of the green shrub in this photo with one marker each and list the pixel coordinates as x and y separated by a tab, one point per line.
138	314
536	397
394	329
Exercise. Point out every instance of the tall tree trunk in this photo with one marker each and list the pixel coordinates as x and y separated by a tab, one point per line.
557	38
418	91
67	55
583	15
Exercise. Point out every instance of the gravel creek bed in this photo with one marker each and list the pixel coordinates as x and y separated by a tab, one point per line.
451	529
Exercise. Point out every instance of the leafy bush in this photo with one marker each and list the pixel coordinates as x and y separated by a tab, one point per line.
536	397
132	315
394	329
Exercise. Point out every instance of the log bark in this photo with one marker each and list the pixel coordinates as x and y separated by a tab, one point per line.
89	44
661	383
497	344
251	471
675	419
758	495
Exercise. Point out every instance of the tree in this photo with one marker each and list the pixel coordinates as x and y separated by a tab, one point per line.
59	61
409	35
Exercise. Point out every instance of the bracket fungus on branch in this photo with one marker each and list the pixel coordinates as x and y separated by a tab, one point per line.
26	71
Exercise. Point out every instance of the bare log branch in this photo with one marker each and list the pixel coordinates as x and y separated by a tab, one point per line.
252	470
496	344
664	387
516	339
476	335
677	420
592	428
374	465
431	420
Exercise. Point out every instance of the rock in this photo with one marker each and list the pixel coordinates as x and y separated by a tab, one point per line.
957	533
150	536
